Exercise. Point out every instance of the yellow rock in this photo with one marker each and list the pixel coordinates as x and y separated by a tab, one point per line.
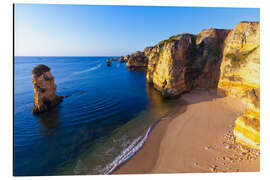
240	77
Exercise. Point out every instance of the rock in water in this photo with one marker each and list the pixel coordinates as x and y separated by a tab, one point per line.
44	89
126	58
108	62
137	60
121	59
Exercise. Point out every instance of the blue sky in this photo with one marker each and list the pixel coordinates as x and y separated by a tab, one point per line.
86	30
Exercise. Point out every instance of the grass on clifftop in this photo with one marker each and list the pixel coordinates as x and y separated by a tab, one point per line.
238	59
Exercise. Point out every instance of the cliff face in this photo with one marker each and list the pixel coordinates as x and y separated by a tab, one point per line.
185	61
240	77
44	89
170	64
137	60
210	43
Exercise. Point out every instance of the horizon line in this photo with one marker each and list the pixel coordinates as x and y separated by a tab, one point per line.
67	56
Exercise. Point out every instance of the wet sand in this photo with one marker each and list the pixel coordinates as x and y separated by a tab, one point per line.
197	140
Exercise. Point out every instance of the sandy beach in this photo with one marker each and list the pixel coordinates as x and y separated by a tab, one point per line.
198	140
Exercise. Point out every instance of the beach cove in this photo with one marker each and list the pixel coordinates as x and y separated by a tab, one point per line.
195	141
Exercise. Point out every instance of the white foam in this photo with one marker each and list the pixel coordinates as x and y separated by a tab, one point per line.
79	72
127	153
88	70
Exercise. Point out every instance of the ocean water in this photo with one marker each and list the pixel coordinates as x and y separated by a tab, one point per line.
104	120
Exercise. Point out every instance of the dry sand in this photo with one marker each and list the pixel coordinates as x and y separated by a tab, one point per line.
197	140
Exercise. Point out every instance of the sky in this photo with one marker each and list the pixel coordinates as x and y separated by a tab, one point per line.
88	30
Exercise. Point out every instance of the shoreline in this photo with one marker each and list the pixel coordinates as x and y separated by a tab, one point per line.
199	139
155	132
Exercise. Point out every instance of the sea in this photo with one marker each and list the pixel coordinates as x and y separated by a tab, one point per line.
105	118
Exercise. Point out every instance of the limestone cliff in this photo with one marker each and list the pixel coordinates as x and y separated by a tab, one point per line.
227	60
185	61
137	60
44	89
170	64
240	77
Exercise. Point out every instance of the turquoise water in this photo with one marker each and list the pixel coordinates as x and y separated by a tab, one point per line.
107	112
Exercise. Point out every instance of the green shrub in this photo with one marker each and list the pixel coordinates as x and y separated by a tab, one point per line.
238	59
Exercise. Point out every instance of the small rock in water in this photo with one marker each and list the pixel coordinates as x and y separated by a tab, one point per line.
207	147
196	164
228	146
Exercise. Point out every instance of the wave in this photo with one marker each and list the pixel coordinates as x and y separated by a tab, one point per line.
88	70
79	72
127	153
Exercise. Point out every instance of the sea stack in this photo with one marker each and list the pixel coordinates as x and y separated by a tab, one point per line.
126	58
44	89
108	62
121	59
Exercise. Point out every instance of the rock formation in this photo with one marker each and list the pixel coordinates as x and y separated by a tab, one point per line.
108	62
227	60
126	58
44	89
137	61
240	78
121	59
185	61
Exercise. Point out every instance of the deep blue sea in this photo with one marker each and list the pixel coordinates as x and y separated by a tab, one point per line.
107	112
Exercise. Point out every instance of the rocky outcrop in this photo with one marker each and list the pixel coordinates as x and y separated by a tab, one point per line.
44	89
240	78
170	64
185	61
137	60
126	58
121	59
108	62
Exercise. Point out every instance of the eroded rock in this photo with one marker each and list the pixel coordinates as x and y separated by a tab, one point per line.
240	78
44	89
137	60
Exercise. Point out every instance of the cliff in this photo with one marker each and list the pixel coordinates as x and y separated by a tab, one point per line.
137	60
44	89
185	61
170	64
240	78
226	60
